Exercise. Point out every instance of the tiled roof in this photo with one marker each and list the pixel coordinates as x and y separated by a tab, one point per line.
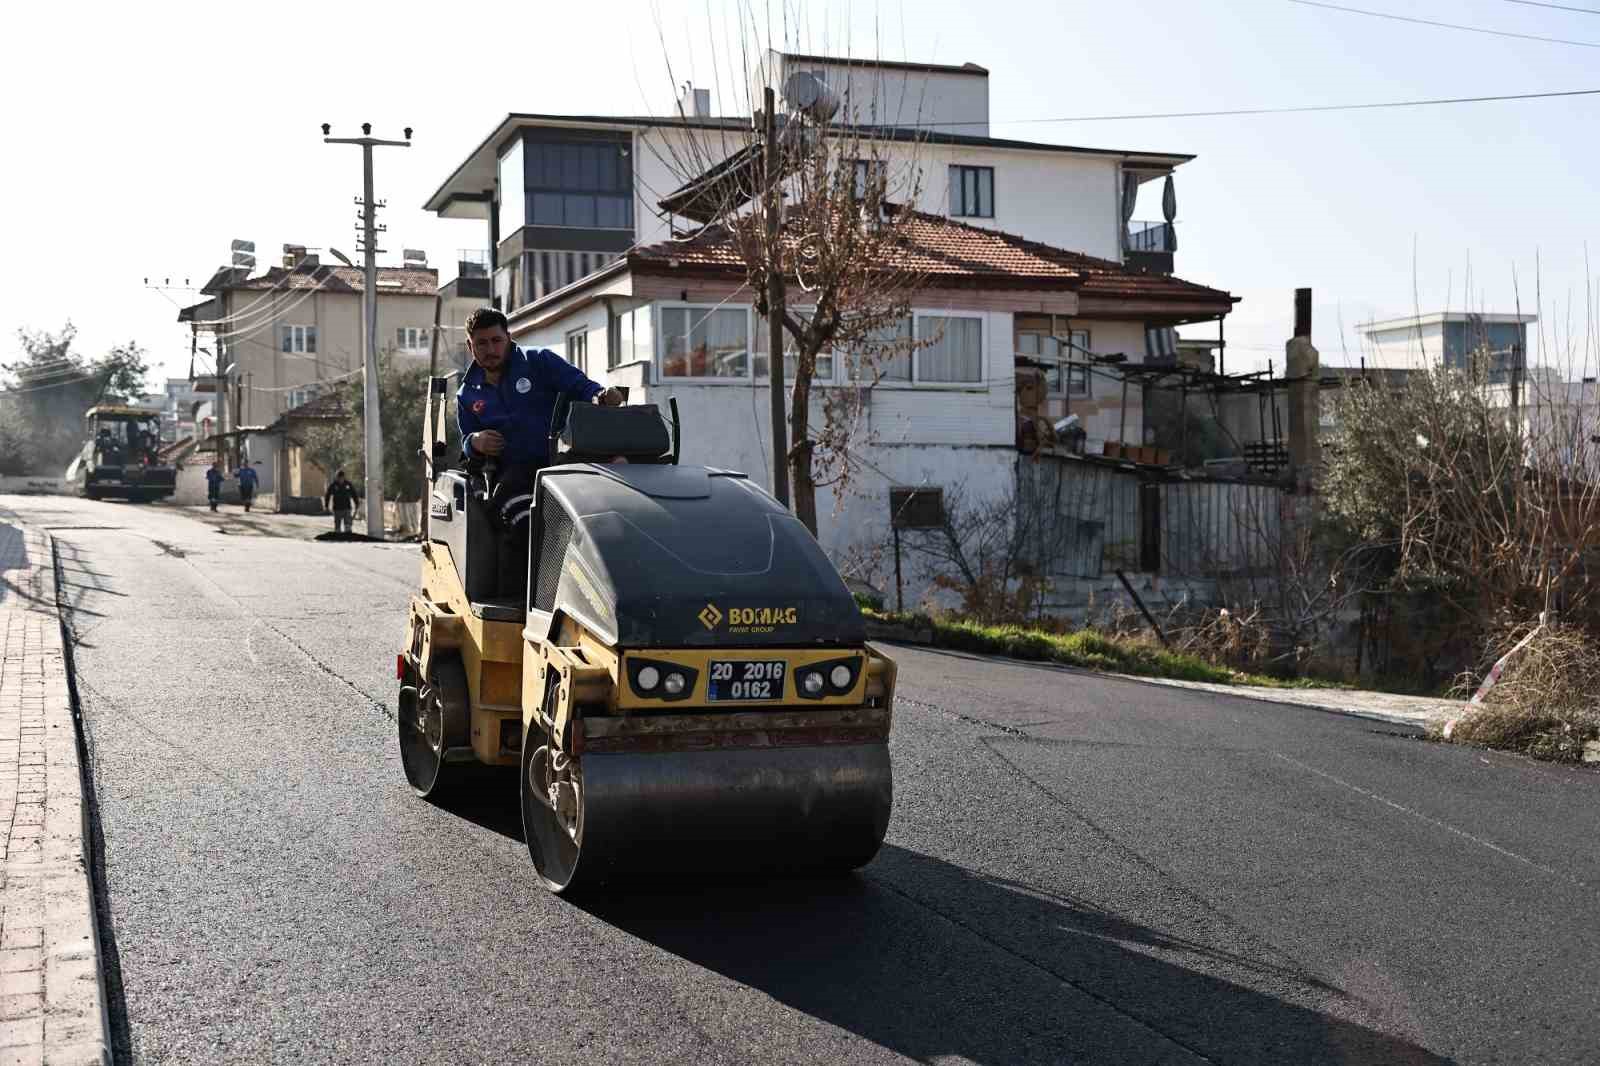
941	250
1109	278
955	252
328	405
406	281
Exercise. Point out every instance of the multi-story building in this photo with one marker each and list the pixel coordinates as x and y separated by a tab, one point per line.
591	224
1449	338
284	336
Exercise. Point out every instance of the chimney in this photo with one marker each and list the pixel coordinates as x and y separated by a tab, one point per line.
294	255
694	103
1302	367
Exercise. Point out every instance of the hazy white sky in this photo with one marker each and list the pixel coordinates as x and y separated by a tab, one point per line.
142	138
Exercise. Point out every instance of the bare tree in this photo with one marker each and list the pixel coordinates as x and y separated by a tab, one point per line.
822	217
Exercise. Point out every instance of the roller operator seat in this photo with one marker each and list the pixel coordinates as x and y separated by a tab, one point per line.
601	434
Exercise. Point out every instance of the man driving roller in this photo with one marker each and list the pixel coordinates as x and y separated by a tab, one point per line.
503	409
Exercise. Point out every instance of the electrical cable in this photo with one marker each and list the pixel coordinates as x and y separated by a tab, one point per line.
1235	112
1556	7
1444	25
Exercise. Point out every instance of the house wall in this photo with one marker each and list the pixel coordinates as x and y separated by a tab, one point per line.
937	100
948	436
1406	348
1058	198
255	349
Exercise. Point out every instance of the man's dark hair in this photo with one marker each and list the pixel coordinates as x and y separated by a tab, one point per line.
486	318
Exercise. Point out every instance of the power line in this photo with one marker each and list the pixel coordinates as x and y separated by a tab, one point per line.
1556	7
1267	110
1445	25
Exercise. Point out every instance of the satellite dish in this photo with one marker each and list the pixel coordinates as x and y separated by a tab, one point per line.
808	94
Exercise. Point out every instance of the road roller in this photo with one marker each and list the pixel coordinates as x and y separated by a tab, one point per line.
673	666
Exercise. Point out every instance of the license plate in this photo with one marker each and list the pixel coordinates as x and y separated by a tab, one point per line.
746	679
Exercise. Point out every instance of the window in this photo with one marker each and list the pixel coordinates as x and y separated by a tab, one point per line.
544	272
298	397
298	340
888	350
578	349
1065	359
824	367
700	342
630	337
412	338
972	192
868	172
588	184
951	349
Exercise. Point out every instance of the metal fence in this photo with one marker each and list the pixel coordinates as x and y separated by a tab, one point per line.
1086	519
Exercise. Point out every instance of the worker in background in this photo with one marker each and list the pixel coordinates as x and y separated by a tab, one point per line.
341	498
247	484
503	409
214	484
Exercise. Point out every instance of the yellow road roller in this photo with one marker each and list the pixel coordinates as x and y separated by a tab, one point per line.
675	668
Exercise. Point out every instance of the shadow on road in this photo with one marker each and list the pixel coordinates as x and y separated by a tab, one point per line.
929	960
13	556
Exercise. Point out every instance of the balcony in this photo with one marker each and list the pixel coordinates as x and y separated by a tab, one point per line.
1150	246
472	277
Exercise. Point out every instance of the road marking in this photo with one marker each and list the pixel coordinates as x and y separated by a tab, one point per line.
1418	814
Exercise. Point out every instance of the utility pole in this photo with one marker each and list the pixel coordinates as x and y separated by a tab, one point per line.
369	317
775	301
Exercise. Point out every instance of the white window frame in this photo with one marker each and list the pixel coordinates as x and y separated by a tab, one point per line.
831	355
983	351
419	334
1074	364
297	337
659	335
581	336
302	395
916	381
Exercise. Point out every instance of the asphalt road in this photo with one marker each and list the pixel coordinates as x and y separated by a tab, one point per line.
1079	869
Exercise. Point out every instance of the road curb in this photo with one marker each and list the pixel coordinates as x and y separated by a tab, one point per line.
53	1002
1423	713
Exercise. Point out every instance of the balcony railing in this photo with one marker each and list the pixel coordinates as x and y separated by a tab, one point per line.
1152	237
472	263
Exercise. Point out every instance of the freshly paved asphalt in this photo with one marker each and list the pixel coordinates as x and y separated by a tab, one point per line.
1079	869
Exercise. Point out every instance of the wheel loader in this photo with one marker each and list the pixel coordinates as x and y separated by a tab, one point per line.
674	667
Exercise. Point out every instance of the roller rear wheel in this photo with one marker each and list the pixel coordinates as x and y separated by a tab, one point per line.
433	717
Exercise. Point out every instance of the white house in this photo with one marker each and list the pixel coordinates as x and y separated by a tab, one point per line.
589	256
674	321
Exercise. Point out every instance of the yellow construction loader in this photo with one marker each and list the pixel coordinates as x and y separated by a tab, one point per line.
678	672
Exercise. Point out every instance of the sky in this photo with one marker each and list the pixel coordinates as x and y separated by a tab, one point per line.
143	138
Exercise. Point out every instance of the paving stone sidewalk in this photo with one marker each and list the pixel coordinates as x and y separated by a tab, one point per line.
52	999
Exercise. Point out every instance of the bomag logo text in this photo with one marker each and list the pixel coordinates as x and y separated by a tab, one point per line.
763	616
749	619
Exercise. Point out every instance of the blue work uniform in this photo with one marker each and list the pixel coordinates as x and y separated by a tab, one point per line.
213	480
520	406
247	480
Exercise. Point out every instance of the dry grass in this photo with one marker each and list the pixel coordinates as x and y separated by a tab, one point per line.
1547	701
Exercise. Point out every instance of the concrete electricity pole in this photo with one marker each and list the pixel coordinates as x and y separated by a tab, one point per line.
369	318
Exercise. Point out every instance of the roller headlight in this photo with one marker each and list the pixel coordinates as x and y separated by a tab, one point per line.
674	683
841	676
811	683
649	677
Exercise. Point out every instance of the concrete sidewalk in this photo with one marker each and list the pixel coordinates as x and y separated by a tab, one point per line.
52	996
